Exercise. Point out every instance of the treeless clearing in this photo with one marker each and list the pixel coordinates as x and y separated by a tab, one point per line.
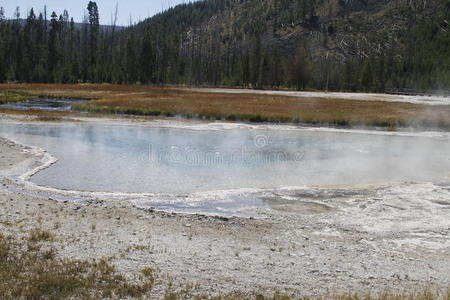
170	101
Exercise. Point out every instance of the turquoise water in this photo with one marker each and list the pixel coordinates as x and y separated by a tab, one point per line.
113	158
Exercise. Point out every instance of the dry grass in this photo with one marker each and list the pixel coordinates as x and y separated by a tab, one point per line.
158	101
40	236
28	272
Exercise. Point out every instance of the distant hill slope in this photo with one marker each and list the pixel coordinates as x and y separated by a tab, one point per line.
412	35
340	27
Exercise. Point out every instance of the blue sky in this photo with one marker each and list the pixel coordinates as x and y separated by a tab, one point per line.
137	9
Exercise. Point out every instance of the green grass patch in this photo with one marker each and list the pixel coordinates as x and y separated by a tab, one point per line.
9	97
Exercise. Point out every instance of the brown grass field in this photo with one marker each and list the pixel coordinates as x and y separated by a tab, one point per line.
169	101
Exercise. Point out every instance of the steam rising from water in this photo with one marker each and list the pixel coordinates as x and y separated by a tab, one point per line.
175	161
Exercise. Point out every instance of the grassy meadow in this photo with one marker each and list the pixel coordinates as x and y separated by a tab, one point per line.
169	102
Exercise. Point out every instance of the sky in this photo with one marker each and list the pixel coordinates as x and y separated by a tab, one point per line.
136	9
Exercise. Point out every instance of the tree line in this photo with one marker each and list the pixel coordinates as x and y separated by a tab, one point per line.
186	45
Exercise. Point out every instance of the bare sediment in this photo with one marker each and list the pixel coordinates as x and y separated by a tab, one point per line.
366	240
11	154
413	99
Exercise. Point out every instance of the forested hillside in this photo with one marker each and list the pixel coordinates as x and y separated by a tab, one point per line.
364	45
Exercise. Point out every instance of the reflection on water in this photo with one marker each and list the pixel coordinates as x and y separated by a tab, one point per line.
182	161
44	104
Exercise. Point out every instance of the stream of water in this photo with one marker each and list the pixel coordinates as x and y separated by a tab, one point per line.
44	104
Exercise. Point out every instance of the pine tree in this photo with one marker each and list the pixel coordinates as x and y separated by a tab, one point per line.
42	50
146	60
94	26
30	56
257	63
350	82
130	66
2	46
300	69
53	47
74	41
367	77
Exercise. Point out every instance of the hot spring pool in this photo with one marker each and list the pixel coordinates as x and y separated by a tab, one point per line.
148	159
